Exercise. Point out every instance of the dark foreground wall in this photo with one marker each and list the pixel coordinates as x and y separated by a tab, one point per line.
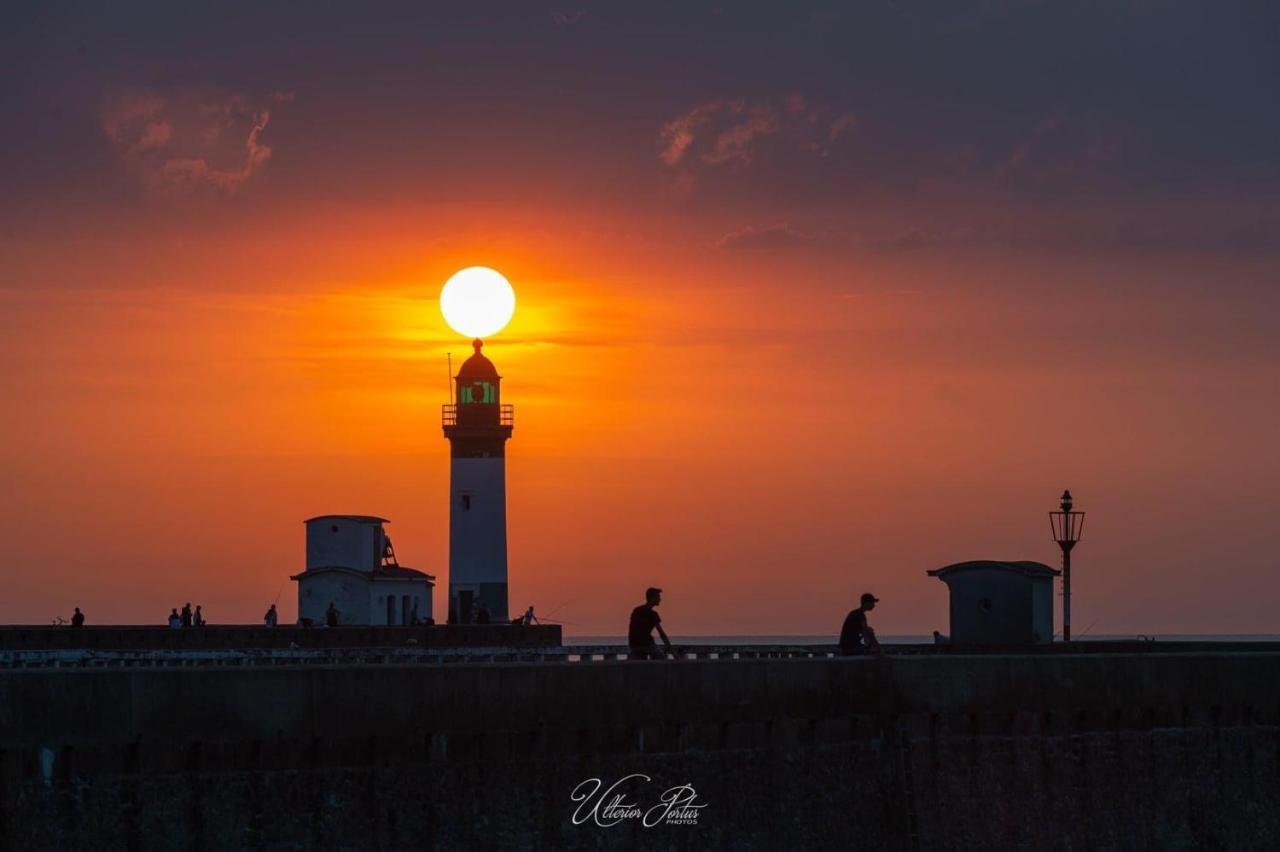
1051	752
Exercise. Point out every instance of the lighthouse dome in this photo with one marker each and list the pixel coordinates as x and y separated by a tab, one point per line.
477	366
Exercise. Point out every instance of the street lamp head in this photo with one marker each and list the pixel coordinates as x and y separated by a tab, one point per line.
1066	523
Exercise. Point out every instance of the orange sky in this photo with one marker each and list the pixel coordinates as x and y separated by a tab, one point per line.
809	301
685	418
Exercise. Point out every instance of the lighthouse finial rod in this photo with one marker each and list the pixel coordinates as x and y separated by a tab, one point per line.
477	344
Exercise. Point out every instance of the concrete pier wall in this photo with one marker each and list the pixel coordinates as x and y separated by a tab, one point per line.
1048	751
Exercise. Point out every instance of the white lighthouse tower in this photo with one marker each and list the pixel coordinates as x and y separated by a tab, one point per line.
477	425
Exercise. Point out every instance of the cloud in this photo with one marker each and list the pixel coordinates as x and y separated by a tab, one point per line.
729	131
191	139
567	19
1210	235
777	236
678	134
1064	152
1226	234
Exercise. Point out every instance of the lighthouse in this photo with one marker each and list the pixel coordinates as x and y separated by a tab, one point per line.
477	424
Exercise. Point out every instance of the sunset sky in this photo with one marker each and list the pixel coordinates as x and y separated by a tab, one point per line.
811	298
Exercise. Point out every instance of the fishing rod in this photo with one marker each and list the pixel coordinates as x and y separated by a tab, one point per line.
557	609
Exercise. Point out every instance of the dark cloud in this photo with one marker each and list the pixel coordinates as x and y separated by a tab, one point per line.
190	139
1208	236
777	236
564	19
1065	153
730	131
1151	235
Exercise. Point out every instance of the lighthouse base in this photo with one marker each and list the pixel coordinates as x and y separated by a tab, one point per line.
467	600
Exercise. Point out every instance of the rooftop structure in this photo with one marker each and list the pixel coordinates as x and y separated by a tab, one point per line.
351	567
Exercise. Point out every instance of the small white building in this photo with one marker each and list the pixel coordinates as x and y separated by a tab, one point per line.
352	565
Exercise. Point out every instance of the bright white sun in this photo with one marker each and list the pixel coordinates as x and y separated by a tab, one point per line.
477	301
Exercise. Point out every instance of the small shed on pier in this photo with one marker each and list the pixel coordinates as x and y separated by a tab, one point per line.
999	603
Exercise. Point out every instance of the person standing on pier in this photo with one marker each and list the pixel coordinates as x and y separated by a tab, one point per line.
186	615
77	620
857	637
331	615
270	619
175	620
640	632
197	620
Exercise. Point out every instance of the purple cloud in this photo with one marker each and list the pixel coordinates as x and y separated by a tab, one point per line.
750	238
190	139
728	131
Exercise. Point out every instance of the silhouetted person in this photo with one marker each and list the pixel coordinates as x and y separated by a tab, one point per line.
640	631
175	620
482	617
270	619
198	618
857	637
186	615
77	620
529	617
331	615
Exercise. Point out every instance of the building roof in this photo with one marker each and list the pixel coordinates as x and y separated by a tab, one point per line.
399	572
1028	569
384	572
325	569
363	519
477	366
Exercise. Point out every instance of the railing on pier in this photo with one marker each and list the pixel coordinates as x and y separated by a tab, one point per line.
412	654
408	655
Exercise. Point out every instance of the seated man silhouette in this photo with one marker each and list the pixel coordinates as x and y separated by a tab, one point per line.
856	636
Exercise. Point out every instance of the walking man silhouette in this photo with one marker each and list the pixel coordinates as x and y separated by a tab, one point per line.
640	631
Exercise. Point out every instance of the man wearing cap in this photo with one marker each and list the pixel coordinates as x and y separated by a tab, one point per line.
857	637
640	632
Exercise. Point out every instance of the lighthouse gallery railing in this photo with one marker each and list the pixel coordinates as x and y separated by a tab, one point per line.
449	414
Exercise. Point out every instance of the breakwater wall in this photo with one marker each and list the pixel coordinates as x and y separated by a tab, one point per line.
934	752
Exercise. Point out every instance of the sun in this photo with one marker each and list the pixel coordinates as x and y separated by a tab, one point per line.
477	301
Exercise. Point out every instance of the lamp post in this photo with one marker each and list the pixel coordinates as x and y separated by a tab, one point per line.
1067	526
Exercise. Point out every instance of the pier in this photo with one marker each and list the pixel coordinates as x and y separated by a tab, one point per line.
788	746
